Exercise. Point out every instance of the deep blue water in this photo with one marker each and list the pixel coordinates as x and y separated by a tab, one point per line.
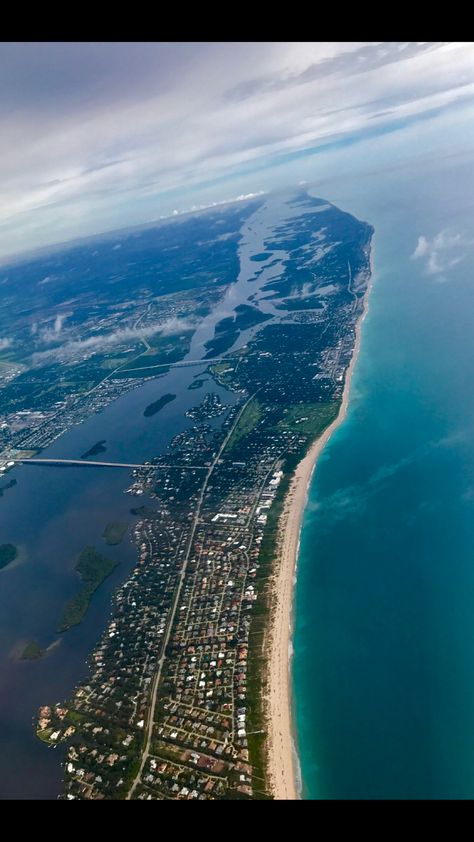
383	670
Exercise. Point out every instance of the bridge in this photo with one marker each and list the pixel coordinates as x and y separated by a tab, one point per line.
180	364
86	462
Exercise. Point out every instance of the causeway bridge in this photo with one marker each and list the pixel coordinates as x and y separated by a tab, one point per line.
179	364
89	462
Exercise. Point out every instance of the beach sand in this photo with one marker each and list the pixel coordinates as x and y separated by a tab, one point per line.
282	759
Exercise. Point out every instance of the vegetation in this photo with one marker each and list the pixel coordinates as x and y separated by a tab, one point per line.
114	532
155	407
93	569
309	418
166	349
247	421
219	368
8	553
31	652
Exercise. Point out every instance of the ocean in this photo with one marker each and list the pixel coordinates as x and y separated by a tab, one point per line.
383	664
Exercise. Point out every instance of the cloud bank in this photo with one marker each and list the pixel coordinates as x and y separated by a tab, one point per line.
95	136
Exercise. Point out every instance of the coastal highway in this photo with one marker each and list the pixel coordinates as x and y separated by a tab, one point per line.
86	462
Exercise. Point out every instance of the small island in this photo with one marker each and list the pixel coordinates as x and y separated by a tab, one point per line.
31	652
155	407
197	384
114	532
98	447
93	569
8	553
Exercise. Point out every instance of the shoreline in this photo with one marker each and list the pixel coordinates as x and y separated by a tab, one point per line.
282	757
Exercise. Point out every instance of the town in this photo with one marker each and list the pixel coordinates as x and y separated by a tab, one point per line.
173	707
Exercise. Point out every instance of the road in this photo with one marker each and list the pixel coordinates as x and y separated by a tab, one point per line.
169	625
182	364
86	462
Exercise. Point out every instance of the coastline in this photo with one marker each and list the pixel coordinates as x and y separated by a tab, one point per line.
282	758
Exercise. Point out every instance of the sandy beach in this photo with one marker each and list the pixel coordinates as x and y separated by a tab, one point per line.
281	752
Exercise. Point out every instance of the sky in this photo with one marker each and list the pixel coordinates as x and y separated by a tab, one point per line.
100	136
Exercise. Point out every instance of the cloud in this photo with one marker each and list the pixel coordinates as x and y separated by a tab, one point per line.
97	136
5	342
51	334
355	60
58	323
442	253
77	348
244	197
421	249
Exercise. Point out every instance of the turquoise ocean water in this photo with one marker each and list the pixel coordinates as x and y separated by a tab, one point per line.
383	670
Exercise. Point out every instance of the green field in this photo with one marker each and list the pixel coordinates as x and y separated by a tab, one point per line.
247	421
309	418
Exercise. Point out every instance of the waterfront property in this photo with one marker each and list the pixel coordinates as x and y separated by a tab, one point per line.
173	704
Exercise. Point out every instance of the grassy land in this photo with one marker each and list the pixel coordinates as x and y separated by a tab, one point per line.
75	717
309	418
93	569
218	368
44	735
114	532
166	349
247	421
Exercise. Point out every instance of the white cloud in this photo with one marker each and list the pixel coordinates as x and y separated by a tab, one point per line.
96	136
5	342
93	344
442	252
244	197
421	249
58	323
51	334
